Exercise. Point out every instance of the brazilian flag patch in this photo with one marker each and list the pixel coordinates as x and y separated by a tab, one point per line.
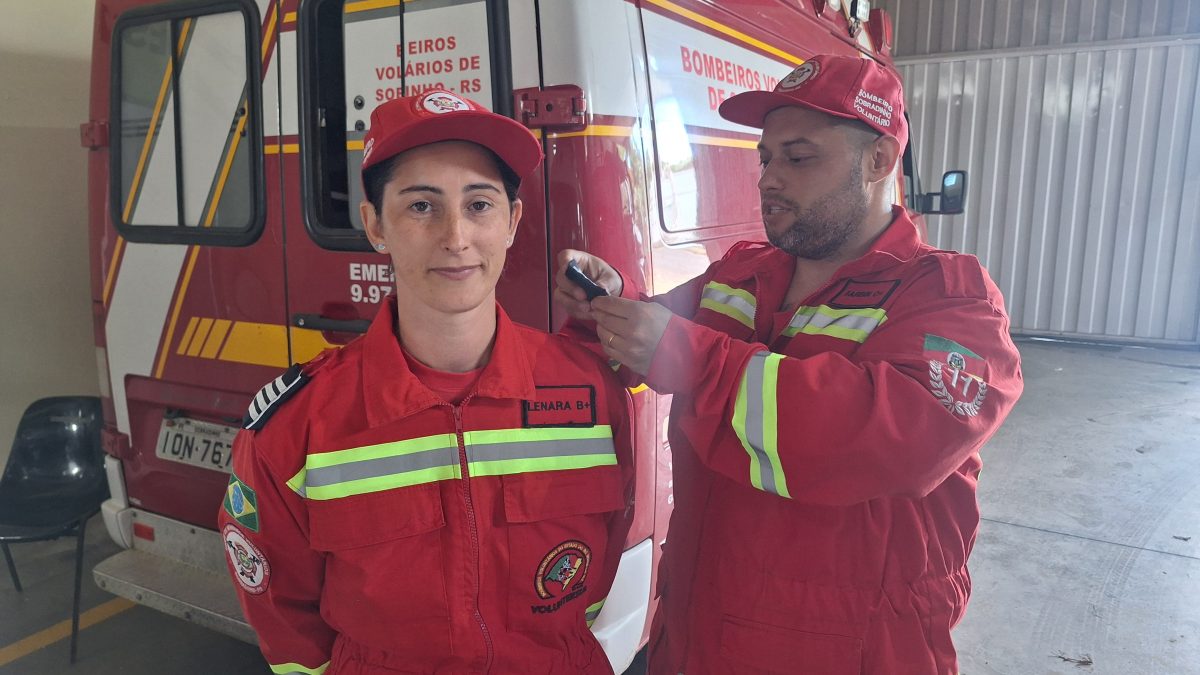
241	503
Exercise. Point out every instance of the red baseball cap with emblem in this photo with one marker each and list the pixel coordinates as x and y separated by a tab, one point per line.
439	115
843	86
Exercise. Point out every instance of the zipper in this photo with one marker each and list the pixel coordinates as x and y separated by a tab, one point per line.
472	527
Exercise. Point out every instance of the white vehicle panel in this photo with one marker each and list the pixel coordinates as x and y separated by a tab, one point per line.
141	299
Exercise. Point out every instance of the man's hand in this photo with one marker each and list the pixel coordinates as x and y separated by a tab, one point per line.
630	330
570	296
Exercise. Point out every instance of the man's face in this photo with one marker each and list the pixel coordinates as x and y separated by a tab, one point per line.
814	199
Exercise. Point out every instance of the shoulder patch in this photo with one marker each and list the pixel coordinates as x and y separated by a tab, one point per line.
269	398
962	276
742	260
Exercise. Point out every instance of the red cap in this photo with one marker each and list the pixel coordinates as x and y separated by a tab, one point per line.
843	86
439	115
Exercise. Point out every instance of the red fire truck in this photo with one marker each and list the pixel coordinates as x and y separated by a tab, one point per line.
225	140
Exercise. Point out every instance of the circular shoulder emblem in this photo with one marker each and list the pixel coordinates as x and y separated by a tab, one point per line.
562	569
440	102
961	393
803	73
253	570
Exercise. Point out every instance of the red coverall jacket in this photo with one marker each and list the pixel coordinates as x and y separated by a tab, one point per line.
374	528
825	460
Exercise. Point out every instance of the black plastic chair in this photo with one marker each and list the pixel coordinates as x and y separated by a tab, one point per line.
54	481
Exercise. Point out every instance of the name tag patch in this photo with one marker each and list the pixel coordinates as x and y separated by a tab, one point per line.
864	294
561	406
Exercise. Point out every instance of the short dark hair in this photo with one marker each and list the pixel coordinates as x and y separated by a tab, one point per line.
376	177
861	132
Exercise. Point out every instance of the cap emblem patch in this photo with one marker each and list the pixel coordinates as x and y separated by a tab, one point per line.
805	72
440	102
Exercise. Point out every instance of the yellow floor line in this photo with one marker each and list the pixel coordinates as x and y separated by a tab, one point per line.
62	630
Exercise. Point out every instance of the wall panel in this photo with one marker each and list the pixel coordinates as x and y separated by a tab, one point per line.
1079	130
1084	175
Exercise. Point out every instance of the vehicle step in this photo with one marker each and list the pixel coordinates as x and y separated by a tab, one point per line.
176	588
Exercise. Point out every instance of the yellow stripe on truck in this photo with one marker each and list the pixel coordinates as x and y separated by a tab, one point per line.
726	30
260	344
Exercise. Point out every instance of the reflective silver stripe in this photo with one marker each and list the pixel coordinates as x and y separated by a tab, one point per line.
724	298
847	324
428	459
383	466
491	452
754	419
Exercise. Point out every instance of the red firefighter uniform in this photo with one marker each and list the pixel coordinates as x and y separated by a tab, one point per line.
826	459
374	528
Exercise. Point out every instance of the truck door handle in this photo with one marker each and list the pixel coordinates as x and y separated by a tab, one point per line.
318	322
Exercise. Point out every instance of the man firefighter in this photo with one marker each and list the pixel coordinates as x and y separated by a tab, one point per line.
832	390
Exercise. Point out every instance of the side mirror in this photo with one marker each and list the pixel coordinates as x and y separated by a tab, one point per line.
954	192
951	200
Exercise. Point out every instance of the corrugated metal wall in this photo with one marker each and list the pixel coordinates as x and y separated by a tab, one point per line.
1079	124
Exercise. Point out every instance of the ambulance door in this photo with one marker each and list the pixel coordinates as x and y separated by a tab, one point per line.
192	285
353	56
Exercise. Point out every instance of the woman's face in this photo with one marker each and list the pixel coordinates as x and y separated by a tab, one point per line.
447	224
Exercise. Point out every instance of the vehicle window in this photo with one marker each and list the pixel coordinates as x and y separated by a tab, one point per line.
186	135
356	55
707	166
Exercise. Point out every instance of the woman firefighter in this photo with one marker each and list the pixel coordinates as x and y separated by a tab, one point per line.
450	492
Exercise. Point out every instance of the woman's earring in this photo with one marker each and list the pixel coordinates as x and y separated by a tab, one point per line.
380	247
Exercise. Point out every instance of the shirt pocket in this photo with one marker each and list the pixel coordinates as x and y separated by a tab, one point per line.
557	525
384	560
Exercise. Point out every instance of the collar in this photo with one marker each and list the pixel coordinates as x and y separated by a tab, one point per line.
391	391
899	243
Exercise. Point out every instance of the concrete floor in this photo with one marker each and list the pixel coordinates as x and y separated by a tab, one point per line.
1088	560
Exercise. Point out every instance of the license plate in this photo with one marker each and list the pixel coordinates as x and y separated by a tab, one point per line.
196	443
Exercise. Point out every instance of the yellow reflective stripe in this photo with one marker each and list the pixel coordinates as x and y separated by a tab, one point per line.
731	312
297	669
734	303
592	612
846	324
392	449
508	451
495	452
736	292
755	421
505	467
385	466
296	483
494	436
739	427
770	406
381	483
